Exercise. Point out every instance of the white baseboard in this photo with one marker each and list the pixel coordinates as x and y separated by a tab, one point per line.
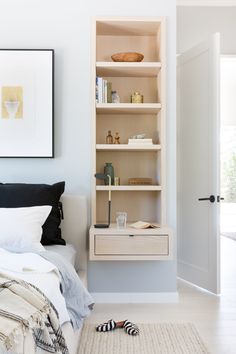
135	298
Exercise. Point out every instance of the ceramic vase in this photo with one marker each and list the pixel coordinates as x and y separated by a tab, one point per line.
109	170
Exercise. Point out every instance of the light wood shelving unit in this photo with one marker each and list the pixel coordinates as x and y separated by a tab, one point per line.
119	69
128	108
148	203
126	147
129	188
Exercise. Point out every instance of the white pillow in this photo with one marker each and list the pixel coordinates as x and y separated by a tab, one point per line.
21	228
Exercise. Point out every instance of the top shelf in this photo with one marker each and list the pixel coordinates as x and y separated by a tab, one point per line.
132	27
133	69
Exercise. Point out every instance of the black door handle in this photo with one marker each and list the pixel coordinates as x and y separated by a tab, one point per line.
211	198
219	198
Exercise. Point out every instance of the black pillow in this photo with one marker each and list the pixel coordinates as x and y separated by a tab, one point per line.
16	195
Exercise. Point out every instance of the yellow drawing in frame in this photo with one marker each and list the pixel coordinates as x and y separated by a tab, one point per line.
12	102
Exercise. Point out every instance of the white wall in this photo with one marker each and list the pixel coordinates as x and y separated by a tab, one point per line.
195	24
65	26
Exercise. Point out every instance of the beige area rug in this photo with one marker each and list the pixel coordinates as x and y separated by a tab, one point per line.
162	338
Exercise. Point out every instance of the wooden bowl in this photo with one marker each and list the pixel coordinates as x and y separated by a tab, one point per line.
127	56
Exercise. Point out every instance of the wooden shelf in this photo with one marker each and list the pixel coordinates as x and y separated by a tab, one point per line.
128	108
118	69
127	147
129	188
131	27
144	35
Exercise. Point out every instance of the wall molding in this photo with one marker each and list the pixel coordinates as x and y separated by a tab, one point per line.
134	298
206	3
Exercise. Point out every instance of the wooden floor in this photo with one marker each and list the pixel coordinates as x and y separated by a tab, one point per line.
213	316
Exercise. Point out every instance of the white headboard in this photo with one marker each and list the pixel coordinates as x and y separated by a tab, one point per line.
75	226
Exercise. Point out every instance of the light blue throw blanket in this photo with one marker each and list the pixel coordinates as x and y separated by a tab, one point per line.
79	302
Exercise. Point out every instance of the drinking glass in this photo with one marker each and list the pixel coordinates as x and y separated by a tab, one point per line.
121	218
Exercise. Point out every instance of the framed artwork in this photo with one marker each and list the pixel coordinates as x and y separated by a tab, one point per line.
26	102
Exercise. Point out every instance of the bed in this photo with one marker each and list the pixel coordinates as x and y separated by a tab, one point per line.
74	229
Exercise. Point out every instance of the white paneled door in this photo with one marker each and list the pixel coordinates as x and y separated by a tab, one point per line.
199	165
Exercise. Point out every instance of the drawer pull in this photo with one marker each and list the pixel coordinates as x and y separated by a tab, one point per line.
131	235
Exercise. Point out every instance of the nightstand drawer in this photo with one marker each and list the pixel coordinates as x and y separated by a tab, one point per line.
136	245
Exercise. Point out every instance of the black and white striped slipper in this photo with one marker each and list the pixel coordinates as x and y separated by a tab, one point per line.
106	326
131	328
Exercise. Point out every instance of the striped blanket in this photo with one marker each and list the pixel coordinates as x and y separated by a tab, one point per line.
24	309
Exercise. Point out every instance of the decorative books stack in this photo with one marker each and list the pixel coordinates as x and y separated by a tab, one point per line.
140	141
103	91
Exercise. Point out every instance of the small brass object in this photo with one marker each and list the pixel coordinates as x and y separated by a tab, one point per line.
136	97
117	138
109	138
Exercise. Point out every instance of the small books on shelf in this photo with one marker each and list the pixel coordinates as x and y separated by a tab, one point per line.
140	141
103	91
144	225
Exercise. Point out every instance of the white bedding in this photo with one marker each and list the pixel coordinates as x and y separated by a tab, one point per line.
75	228
39	272
68	252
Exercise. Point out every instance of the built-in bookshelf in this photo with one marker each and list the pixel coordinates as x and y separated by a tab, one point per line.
141	202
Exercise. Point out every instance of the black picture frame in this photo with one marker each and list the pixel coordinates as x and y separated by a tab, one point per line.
30	66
